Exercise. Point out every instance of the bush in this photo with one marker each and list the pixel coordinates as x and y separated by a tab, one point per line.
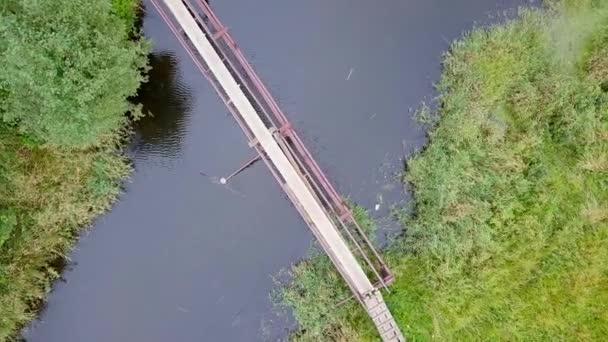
127	10
68	68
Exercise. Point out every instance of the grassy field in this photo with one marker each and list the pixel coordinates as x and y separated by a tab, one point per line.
49	192
509	240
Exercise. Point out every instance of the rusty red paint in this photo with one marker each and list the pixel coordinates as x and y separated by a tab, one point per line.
268	107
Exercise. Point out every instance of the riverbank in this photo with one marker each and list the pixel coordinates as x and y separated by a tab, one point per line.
509	234
63	98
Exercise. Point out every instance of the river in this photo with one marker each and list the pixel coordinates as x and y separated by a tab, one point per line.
183	258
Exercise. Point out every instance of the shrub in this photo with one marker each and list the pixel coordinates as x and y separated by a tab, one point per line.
68	68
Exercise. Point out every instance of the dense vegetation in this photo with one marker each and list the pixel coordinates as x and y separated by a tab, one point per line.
68	68
509	239
313	288
73	63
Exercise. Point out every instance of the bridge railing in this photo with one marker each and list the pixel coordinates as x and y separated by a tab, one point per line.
275	119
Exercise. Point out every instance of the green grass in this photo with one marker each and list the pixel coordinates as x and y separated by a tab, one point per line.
509	240
316	290
47	194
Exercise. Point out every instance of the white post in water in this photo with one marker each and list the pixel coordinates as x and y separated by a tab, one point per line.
313	213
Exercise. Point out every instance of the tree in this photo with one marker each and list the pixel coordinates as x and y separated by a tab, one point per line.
67	69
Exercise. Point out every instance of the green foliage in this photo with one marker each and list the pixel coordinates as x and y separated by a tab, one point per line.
127	10
316	290
8	222
73	62
510	236
67	70
50	194
314	294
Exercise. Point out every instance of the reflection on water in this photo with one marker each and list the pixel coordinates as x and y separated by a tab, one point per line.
167	101
180	258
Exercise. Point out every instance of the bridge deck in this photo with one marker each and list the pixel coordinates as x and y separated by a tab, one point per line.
292	180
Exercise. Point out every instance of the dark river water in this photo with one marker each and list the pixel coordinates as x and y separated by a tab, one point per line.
183	258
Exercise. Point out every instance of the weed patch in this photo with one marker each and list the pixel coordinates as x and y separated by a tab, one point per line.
509	239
